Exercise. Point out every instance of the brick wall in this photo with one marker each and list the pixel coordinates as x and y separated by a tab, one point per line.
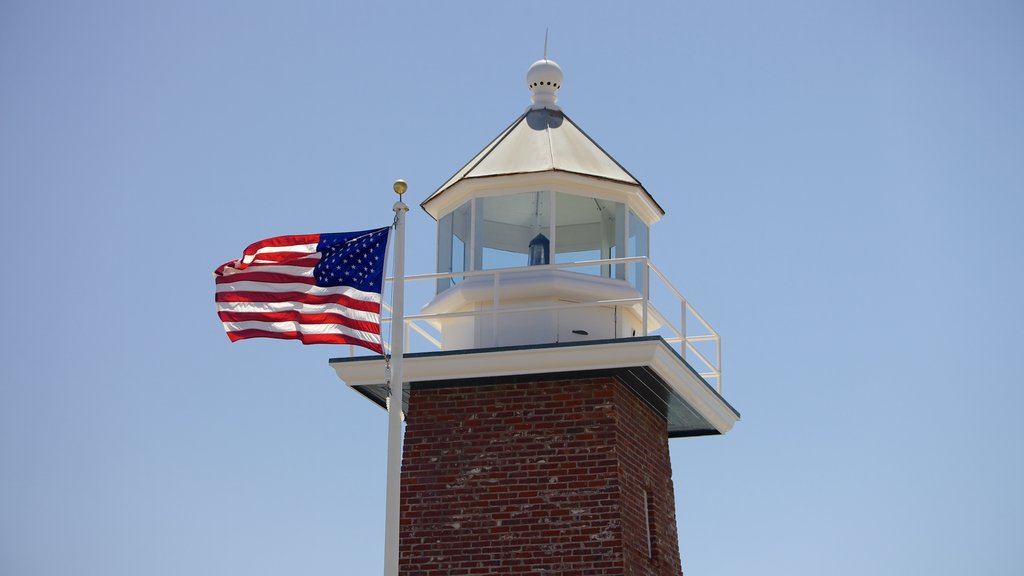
536	478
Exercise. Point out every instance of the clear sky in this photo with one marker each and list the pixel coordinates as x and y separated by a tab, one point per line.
843	185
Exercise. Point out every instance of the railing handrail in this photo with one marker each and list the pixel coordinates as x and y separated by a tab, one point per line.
678	334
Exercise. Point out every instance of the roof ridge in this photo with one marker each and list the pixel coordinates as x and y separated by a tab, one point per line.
599	147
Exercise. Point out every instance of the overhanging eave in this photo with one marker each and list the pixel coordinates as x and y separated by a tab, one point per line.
647	365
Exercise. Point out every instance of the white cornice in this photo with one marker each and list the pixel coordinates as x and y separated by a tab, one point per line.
634	196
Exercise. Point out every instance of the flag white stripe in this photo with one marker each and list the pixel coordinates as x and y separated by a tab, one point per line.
301	328
262	307
307	248
246	286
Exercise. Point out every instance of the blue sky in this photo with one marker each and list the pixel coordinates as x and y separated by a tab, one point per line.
843	185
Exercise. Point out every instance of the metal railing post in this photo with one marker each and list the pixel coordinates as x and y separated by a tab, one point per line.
682	327
494	308
647	294
718	360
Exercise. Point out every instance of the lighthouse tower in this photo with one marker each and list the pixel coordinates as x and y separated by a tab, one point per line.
536	437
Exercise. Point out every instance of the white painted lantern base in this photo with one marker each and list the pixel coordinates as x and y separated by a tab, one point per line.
535	307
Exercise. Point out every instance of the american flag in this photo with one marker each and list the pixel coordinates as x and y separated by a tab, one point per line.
316	288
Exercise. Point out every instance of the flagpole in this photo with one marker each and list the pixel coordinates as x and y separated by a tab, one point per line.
393	508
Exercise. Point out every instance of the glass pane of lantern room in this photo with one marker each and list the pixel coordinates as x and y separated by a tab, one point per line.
444	251
638	246
506	225
585	229
452	245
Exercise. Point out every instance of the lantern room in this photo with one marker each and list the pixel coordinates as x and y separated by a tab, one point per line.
534	229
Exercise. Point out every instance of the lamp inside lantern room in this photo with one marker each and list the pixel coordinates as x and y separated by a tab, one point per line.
540	250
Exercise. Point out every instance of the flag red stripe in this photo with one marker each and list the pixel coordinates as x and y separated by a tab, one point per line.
270	277
240	296
306	338
363	326
269	258
279	241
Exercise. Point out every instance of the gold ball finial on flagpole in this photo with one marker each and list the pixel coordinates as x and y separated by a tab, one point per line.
400	187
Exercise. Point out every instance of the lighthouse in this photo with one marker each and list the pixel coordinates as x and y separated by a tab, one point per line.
536	432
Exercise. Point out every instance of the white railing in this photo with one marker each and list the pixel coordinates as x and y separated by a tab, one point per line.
697	341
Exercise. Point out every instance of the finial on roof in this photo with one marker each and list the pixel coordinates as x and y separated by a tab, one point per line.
544	79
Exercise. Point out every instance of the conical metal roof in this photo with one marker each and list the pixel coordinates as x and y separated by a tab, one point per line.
538	141
542	140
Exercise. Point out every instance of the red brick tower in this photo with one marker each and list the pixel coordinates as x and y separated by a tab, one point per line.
562	476
536	439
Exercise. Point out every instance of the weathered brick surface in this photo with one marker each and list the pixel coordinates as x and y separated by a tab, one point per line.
536	478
